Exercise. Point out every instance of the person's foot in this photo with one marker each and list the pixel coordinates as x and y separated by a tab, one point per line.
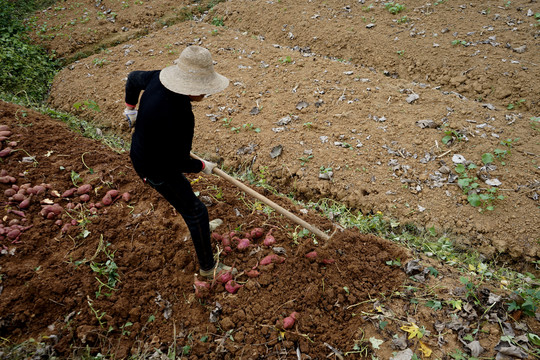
214	224
220	267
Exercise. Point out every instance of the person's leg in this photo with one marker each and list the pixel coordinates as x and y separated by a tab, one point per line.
177	190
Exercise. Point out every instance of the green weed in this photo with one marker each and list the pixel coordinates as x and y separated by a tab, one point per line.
99	62
451	135
367	8
528	303
485	199
394	8
26	68
218	21
87	105
286	60
108	270
403	20
305	159
535	123
460	42
517	104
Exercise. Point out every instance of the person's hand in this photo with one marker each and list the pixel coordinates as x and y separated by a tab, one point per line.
131	117
208	167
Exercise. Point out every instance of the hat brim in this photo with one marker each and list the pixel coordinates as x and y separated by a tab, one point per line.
181	82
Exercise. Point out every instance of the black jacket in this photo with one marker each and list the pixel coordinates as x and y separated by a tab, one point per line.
163	135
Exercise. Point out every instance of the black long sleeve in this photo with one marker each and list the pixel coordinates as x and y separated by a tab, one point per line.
163	135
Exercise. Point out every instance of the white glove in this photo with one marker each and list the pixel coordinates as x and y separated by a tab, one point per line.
208	167
131	117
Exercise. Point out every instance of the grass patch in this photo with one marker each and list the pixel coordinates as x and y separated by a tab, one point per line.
26	68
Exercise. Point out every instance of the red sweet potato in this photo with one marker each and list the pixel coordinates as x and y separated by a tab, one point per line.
84	189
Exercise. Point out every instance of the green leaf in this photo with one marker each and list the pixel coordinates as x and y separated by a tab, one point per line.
446	139
460	168
383	324
434	304
487	158
474	200
433	271
513	306
186	349
464	182
204	338
534	339
468	337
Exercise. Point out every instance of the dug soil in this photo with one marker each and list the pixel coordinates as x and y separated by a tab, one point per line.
392	115
56	280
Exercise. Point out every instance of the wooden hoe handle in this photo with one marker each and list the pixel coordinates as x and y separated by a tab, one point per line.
269	202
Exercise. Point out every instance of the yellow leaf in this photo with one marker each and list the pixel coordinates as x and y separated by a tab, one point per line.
471	267
425	349
194	181
379	308
413	330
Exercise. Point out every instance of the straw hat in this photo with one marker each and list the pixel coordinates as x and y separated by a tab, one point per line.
193	74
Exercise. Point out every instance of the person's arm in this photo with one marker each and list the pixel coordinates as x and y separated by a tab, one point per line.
136	82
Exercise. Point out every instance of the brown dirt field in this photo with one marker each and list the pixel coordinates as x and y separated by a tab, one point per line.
338	87
51	269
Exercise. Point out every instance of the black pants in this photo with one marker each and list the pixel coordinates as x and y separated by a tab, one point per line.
177	190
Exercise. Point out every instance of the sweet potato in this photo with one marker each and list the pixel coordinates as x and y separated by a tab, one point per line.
37	190
9	192
18	197
107	199
6	133
202	288
25	204
269	240
232	286
4	127
84	189
126	197
226	241
7	179
84	197
113	193
224	277
253	273
243	244
69	192
5	152
257	233
216	237
273	258
65	228
289	321
13	234
54	209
